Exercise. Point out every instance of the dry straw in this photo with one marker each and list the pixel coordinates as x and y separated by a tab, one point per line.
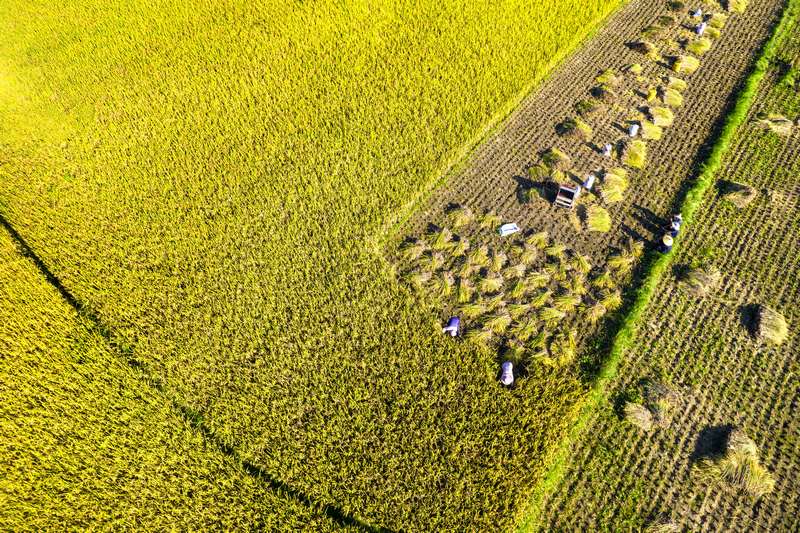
738	465
702	281
770	326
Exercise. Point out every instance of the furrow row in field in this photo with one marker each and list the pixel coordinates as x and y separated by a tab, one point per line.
706	350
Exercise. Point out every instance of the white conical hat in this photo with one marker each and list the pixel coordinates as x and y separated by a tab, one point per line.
667	240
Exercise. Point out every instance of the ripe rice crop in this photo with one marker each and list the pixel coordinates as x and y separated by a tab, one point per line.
85	440
661	116
736	6
635	154
672	98
650	131
699	47
215	180
598	219
676	84
686	65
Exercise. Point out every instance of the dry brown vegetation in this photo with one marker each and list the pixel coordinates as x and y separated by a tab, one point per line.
720	376
739	466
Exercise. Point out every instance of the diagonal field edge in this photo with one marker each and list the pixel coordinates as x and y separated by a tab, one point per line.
459	159
656	268
193	418
377	242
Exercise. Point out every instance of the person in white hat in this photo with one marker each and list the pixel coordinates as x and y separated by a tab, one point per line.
666	243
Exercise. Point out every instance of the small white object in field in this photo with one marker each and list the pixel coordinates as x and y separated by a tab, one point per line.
607	150
701	28
507	374
508	229
697	13
633	130
589	183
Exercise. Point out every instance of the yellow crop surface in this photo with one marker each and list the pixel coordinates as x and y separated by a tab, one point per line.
84	441
210	179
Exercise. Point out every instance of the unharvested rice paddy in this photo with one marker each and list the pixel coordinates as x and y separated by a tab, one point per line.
83	442
209	179
265	213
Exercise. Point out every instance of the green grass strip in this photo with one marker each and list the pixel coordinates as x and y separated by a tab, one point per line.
627	332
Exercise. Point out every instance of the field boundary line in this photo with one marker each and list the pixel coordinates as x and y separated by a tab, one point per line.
461	157
190	416
655	269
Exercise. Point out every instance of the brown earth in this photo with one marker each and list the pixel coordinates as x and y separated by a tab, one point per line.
491	177
705	349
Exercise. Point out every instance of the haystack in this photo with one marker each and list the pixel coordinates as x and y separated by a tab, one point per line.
702	281
738	466
770	325
603	93
555	159
777	124
661	401
639	415
662	527
739	194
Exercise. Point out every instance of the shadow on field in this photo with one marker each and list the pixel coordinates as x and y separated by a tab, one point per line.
747	316
545	189
194	418
711	442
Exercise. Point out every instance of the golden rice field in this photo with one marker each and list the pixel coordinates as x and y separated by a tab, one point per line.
83	441
211	181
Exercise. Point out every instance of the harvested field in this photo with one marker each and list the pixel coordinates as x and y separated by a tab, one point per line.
515	170
500	173
730	384
494	174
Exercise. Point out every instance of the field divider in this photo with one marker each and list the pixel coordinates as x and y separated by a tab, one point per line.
460	158
186	413
654	270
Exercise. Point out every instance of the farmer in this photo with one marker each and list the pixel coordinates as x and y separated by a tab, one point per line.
453	325
607	150
675	225
589	182
633	129
666	243
507	374
701	28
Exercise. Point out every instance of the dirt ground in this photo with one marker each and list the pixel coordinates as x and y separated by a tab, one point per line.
496	172
704	349
497	175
